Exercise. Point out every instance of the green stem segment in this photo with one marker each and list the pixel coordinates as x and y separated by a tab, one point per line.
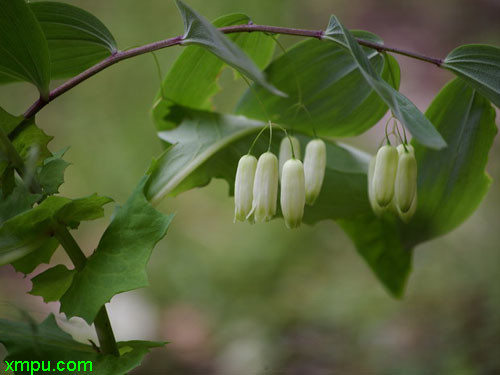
102	322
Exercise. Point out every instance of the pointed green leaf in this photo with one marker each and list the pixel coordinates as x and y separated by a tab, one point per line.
24	53
198	30
29	341
405	111
325	89
119	262
18	201
76	39
51	173
452	182
53	283
32	230
192	80
479	66
207	145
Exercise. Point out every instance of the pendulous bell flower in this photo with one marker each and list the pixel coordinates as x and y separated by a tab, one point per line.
314	169
406	181
265	188
243	187
293	194
384	175
286	151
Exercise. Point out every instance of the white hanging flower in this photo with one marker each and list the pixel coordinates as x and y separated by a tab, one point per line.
384	176
377	210
314	169
286	151
406	181
293	194
243	187
265	188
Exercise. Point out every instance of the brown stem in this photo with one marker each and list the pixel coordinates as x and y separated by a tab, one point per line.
123	55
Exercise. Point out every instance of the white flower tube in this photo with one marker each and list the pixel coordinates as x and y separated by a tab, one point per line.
265	188
384	176
286	151
243	187
314	169
377	210
293	193
406	181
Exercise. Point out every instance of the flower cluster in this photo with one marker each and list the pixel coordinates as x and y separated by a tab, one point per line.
392	181
256	183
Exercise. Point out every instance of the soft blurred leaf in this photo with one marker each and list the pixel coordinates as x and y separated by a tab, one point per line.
41	254
24	53
52	283
325	89
8	123
192	80
198	30
47	342
207	145
76	39
452	182
406	112
33	230
479	66
18	201
119	262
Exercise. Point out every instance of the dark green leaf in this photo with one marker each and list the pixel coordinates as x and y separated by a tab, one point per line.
18	201
381	244
452	182
419	126
325	89
42	254
27	137
28	341
192	81
53	283
198	30
76	39
24	53
479	66
51	173
119	262
8	123
32	231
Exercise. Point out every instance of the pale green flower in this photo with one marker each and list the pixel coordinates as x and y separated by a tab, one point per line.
286	151
293	193
265	188
314	169
384	176
243	187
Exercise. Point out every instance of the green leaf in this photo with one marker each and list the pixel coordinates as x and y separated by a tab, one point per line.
119	262
198	30
192	80
28	341
53	283
32	231
24	53
18	201
381	244
8	123
41	254
325	89
208	145
51	173
452	182
28	136
76	39
406	112
479	66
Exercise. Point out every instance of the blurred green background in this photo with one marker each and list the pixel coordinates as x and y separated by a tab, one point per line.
242	299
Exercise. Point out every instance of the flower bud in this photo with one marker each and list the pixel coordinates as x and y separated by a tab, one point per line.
384	176
265	188
286	151
406	181
243	187
293	193
377	210
314	169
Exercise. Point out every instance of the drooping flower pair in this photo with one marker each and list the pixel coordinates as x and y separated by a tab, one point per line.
256	184
392	181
